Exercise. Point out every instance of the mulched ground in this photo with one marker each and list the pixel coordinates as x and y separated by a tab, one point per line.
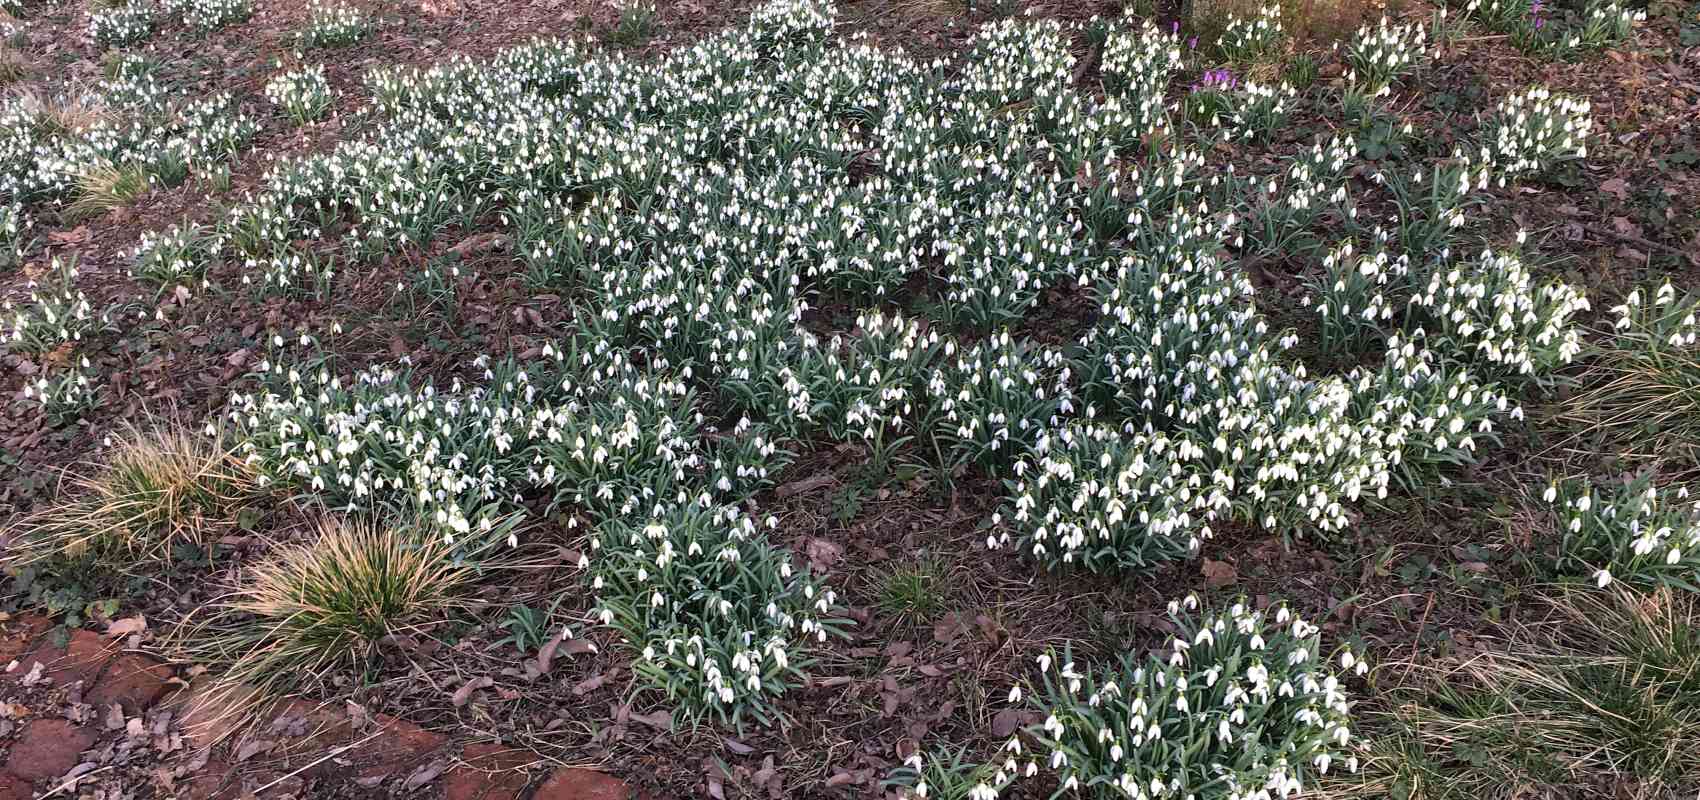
1421	577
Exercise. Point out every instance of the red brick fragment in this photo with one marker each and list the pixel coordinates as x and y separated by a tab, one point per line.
574	783
79	660
14	788
48	748
395	749
16	635
133	681
490	772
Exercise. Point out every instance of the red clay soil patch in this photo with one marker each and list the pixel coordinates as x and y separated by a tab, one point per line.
582	784
16	638
14	788
490	772
299	749
79	660
47	749
133	681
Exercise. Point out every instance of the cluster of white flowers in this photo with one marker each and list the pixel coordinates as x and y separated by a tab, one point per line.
697	205
1489	312
1662	324
717	611
162	134
1113	501
1009	250
333	24
1262	108
15	226
133	85
1632	532
1282	213
57	313
124	24
1242	706
66	395
209	15
1607	23
1357	295
1545	27
1535	129
55	321
719	617
1136	65
303	93
1381	54
948	775
1499	317
376	443
1249	39
178	257
999	398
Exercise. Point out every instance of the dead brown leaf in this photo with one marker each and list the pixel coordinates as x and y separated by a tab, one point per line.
464	694
948	628
823	553
1005	722
76	235
659	720
1219	573
124	627
588	685
819	480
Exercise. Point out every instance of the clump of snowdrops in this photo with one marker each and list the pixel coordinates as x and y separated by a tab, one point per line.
331	24
1633	532
722	195
57	313
303	93
176	257
124	24
1243	703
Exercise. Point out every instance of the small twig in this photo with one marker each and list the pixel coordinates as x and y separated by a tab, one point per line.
1417	641
332	753
74	781
1644	242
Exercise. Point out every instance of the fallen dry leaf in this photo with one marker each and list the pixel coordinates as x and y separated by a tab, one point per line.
1005	722
588	685
124	627
425	774
809	484
948	628
659	720
1219	573
823	553
464	693
253	747
76	235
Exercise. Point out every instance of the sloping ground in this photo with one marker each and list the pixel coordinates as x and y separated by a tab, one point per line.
675	247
